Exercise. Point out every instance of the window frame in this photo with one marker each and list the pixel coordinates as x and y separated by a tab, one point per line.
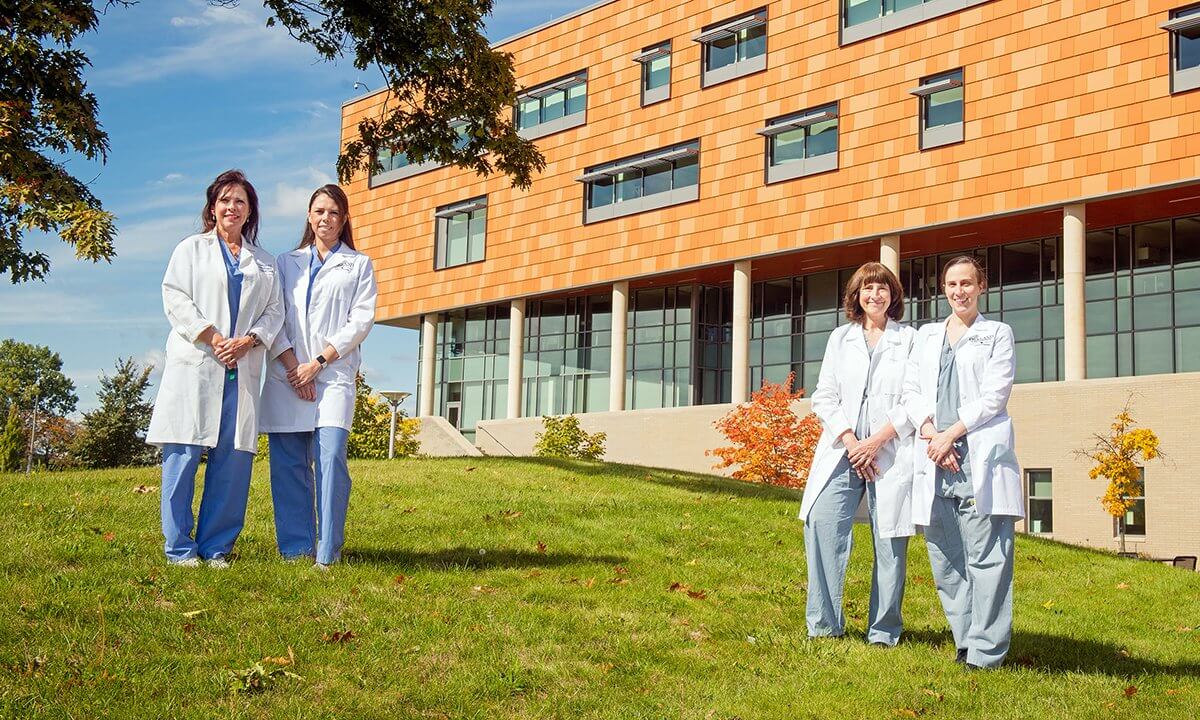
639	163
563	122
1183	20
645	58
1117	521
805	119
1030	498
930	85
442	217
411	169
737	68
927	10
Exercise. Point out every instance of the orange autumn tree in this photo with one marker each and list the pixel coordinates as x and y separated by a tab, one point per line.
768	442
1116	458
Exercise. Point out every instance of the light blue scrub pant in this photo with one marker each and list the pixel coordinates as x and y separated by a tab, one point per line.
226	489
310	511
827	541
972	560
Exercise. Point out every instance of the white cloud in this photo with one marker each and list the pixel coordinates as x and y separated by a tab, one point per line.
169	178
290	200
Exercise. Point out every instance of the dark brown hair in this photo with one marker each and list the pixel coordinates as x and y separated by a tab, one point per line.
872	272
980	274
208	218
335	193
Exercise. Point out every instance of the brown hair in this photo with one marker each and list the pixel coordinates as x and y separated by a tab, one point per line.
980	274
338	196
208	218
872	272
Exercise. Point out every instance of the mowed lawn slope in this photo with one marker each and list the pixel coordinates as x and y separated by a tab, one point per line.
518	588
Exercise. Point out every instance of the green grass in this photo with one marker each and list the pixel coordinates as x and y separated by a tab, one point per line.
541	589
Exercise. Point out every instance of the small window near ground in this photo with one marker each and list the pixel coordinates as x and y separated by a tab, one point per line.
1041	501
1135	519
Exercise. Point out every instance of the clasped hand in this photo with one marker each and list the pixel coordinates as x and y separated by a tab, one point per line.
230	350
303	375
861	454
941	447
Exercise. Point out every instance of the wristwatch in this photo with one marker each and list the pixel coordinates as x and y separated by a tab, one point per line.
254	337
322	361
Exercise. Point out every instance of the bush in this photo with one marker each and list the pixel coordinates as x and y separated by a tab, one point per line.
769	443
407	444
561	437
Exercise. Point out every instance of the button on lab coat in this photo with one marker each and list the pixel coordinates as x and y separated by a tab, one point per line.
837	402
195	296
986	367
340	312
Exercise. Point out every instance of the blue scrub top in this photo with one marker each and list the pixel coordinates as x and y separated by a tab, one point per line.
315	263
233	277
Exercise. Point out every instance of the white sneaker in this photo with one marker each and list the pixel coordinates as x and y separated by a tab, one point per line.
186	562
320	567
217	563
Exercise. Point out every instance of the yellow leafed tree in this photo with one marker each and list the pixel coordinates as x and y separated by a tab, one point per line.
1116	457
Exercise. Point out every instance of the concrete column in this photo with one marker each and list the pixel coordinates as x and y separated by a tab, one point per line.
889	253
429	328
516	356
616	364
1074	326
740	383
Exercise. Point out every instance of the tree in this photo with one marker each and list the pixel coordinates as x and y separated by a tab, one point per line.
562	437
12	442
769	444
1116	457
441	73
114	435
31	380
372	423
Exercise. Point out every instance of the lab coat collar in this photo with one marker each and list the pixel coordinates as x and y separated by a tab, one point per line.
857	335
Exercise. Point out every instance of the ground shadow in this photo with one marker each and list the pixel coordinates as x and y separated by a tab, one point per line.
470	558
1061	654
690	482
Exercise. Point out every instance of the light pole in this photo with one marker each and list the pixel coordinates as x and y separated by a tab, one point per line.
37	396
394	398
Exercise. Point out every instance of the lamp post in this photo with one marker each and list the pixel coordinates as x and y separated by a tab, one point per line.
393	398
37	396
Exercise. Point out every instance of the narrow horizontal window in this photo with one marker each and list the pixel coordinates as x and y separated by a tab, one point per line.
861	19
394	164
802	144
1184	27
642	182
551	107
656	73
460	233
733	48
941	107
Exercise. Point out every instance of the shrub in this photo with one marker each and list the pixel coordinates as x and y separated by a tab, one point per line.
769	444
407	444
561	437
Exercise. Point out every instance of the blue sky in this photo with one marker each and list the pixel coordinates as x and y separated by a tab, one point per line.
186	91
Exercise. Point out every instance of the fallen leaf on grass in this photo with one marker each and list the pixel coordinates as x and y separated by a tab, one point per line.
691	562
1130	691
933	694
677	587
471	469
400	579
189	628
620	570
1123	652
541	547
143	489
619	581
407	510
338	636
908	712
1183	629
109	536
483	590
605	667
698	594
534	574
511	514
696	635
590	582
195	613
1123	586
1174	691
282	660
1048	604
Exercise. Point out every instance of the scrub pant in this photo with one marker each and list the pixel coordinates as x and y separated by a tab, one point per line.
226	489
972	560
828	539
310	511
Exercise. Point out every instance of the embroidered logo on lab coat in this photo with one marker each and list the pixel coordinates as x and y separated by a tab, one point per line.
347	266
265	268
980	339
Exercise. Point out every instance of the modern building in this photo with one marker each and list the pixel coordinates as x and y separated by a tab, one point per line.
715	170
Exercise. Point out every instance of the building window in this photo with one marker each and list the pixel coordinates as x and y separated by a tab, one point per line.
802	144
1041	501
733	48
394	164
1184	27
941	98
1134	520
1024	290
1142	286
862	19
568	349
658	348
555	106
470	376
642	182
460	233
656	72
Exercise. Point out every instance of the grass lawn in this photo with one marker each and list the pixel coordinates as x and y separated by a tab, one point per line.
516	588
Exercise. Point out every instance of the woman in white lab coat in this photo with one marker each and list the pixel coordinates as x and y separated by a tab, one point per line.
222	298
967	483
308	400
865	448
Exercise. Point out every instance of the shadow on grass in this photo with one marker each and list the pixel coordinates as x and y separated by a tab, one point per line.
689	482
469	558
1061	654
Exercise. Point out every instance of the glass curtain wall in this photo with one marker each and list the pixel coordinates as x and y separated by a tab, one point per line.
567	354
471	366
658	351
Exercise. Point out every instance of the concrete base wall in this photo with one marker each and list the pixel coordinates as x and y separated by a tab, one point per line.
438	438
1053	420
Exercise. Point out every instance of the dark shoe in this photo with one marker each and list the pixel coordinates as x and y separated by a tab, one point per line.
881	644
973	668
960	657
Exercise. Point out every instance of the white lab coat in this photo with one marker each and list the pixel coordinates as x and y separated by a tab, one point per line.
837	402
341	313
986	367
196	296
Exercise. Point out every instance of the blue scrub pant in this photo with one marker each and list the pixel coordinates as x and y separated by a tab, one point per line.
226	489
972	560
310	509
828	539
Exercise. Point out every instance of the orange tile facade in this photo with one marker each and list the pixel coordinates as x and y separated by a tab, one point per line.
1064	101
